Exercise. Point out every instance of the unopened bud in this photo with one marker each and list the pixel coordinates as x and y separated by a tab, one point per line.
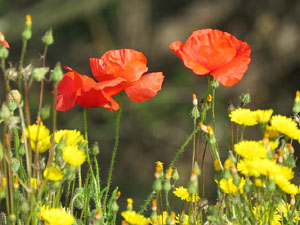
39	73
217	165
3	52
114	207
296	107
245	98
247	186
24	207
209	98
271	185
215	84
236	179
45	112
27	31
4	112
293	201
47	39
56	74
129	204
195	100
175	175
167	185
95	150
157	186
12	219
16	183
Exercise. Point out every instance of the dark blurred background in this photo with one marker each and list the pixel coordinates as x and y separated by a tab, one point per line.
154	130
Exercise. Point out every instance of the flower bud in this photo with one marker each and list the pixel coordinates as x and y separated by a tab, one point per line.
95	150
56	74
22	150
39	73
114	207
45	112
296	107
27	31
78	202
47	39
175	175
236	179
247	186
129	204
215	84
245	98
167	185
24	207
14	96
271	185
226	174
4	112
3	52
293	201
157	186
12	219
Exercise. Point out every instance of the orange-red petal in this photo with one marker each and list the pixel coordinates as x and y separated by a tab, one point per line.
215	52
128	64
146	87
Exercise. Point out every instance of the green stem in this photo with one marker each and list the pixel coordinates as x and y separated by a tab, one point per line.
171	166
24	47
114	152
203	114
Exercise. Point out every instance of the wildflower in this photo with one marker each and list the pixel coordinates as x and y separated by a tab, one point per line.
159	165
56	216
259	213
244	117
134	218
73	155
34	183
38	134
251	149
53	174
126	68
184	194
272	132
263	116
162	218
3	41
129	204
218	53
228	186
83	90
72	137
285	126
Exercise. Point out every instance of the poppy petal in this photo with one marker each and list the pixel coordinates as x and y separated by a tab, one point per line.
124	63
146	87
66	101
233	72
190	63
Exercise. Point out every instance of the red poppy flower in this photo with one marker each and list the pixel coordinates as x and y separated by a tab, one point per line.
214	52
127	66
83	90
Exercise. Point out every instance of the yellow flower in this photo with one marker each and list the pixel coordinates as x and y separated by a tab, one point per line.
270	145
182	193
39	135
251	149
34	183
56	216
286	126
259	213
263	116
228	186
53	173
134	218
284	208
162	218
73	155
272	132
244	117
72	137
184	219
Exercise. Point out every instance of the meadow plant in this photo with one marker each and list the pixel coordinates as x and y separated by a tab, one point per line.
41	181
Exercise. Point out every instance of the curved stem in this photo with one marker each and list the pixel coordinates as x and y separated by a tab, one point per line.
114	151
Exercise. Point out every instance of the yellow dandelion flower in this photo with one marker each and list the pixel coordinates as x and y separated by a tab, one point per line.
56	216
162	218
72	137
182	193
34	183
286	126
73	155
251	149
263	116
40	136
259	213
53	174
134	218
285	185
244	117
229	187
159	164
272	132
270	145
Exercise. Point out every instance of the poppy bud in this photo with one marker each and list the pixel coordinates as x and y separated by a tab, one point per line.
14	96
157	186
167	185
114	207
39	73
245	98
47	39
56	74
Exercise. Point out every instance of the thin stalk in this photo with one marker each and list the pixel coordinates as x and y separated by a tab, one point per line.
10	177
114	152
194	146
7	86
170	166
98	189
202	169
24	47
